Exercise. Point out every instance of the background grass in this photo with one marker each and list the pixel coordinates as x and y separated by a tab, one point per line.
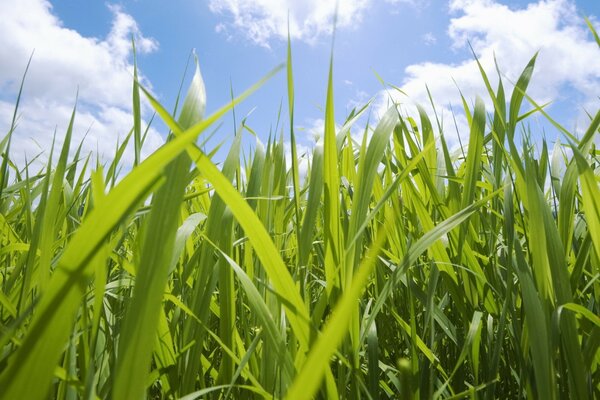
394	269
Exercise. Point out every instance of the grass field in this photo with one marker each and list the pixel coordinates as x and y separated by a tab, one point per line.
395	269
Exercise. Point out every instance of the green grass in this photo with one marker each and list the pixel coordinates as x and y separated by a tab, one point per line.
394	269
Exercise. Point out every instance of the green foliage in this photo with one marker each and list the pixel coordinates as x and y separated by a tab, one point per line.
393	269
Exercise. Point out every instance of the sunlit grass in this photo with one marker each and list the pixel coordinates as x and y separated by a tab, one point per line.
391	270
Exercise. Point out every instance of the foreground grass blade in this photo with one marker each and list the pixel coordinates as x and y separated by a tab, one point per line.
136	344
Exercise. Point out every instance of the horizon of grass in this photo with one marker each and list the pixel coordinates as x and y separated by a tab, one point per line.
393	269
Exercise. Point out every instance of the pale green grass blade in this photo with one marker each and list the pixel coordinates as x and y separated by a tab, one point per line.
226	297
6	141
517	96
315	187
137	114
331	182
558	269
473	161
538	330
579	309
52	209
593	30
366	176
537	238
183	234
294	151
590	198
136	344
569	187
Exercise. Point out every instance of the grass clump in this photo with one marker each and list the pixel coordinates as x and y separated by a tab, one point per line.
393	270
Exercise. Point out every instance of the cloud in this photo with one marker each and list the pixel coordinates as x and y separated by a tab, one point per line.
262	20
313	130
417	4
66	63
568	62
429	39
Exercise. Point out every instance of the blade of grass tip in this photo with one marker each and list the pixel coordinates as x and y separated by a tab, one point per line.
593	30
4	151
147	130
517	96
52	207
331	181
183	77
499	106
43	344
183	234
137	115
36	234
112	171
295	173
135	343
72	169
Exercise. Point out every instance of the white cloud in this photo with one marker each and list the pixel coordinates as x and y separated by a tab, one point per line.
418	4
64	63
429	39
313	130
262	20
568	61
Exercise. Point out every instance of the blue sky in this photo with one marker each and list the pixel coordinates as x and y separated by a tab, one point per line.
84	44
